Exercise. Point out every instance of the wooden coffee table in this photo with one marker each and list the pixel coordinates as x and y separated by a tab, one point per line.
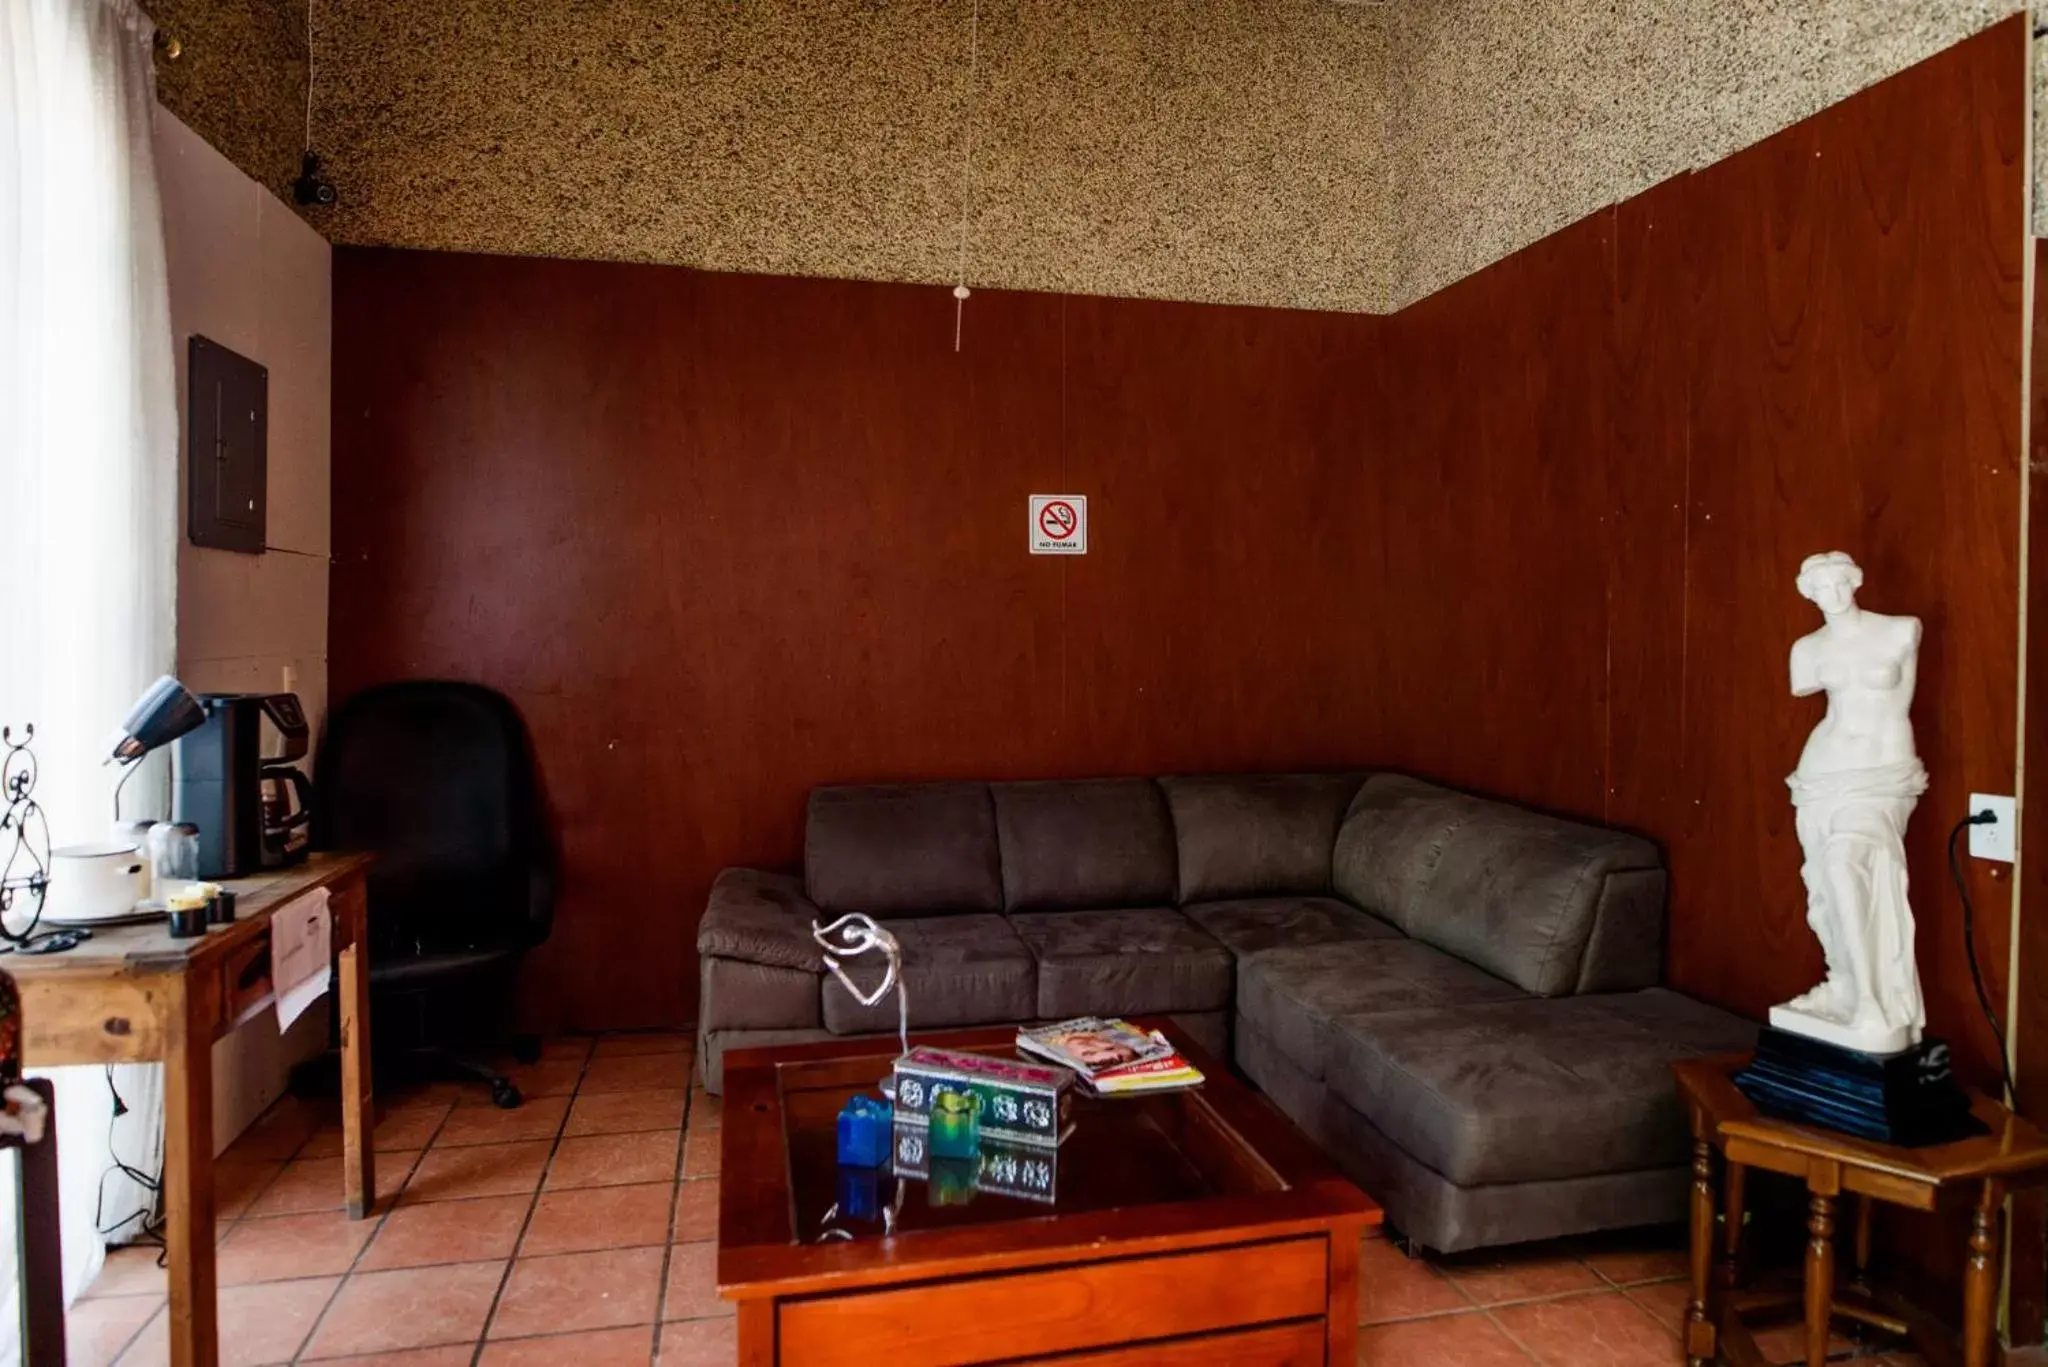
1194	1226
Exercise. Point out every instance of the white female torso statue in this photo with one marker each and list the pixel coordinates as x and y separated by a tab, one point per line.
1855	788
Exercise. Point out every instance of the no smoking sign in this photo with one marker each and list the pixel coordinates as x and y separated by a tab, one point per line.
1059	524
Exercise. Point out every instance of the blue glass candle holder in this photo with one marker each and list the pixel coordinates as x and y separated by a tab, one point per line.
956	1124
864	1133
860	1194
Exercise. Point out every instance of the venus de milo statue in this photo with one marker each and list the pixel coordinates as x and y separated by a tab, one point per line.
1856	785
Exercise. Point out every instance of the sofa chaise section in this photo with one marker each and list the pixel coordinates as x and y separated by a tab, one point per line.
1298	995
1440	1214
1502	1073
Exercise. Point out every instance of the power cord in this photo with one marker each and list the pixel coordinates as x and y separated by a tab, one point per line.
151	1229
1987	817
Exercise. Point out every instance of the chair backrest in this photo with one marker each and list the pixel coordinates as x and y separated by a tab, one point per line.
437	779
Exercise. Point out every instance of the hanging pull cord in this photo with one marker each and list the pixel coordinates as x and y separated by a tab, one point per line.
309	76
960	290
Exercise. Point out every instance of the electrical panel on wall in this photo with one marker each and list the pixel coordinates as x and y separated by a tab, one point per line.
227	424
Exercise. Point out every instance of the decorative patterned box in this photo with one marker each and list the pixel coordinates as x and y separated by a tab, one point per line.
1021	1103
1029	1172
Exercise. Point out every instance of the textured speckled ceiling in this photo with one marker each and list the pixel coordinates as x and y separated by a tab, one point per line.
1178	148
240	81
1510	122
1292	152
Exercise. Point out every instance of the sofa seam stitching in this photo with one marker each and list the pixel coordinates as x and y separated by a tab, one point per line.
1557	926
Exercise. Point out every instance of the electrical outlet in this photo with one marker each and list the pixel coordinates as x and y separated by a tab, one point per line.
1994	839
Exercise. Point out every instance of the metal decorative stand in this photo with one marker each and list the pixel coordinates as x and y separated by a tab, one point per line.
849	937
852	935
25	874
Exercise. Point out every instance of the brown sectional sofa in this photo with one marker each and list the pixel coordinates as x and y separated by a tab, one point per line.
1456	997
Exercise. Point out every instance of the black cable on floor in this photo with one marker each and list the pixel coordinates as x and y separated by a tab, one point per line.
1955	871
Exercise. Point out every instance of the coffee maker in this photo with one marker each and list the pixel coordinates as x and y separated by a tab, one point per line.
253	811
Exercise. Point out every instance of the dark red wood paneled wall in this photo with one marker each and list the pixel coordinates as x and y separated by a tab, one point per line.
1636	430
2027	1307
726	537
1849	295
723	538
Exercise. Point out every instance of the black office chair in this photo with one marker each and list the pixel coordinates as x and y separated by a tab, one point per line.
437	779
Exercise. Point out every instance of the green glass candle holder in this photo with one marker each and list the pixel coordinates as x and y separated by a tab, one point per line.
953	1181
955	1124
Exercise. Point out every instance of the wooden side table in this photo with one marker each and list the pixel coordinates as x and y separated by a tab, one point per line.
134	994
1979	1171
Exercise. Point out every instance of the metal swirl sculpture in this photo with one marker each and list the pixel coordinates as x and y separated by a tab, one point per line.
852	935
26	870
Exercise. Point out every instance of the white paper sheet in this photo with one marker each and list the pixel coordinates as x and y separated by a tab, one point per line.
301	954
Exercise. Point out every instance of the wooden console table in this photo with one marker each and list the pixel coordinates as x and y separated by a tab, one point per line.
132	994
1979	1171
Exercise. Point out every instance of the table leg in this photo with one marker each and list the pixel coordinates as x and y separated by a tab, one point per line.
1820	1277
1699	1328
1866	1209
1980	1278
41	1274
1340	1310
188	1182
358	1122
756	1333
1734	1185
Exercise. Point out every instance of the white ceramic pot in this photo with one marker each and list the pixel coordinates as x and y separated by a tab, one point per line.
95	882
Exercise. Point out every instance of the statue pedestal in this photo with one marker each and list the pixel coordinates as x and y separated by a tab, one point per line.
1910	1097
1861	1041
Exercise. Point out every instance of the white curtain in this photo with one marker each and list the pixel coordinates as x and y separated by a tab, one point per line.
88	479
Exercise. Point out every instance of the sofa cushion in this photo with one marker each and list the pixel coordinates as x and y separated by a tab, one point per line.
1530	1090
761	918
1088	843
1124	962
917	849
957	970
1517	892
1254	924
1297	995
1256	835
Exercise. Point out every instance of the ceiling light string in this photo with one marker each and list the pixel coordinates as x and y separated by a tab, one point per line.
960	290
309	77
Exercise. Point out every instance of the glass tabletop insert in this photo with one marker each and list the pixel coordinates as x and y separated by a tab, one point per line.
1120	1152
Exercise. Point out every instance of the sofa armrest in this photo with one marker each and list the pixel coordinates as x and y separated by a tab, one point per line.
1625	952
761	918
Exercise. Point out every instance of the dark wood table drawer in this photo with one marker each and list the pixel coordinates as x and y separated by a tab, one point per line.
245	977
1301	1344
1061	1310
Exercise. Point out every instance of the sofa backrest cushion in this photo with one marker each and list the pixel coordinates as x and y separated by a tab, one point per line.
1086	843
902	849
1553	906
1256	835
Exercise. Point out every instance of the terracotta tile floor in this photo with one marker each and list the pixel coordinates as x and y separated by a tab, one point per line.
1603	1302
579	1229
502	1238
